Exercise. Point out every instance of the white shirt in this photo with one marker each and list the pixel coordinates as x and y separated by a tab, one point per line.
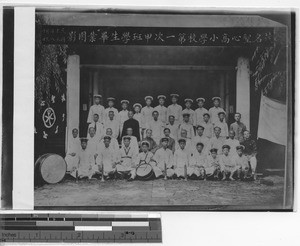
114	125
174	129
92	144
96	109
106	111
192	119
123	116
127	156
162	110
164	156
181	158
146	115
133	144
138	117
216	143
233	143
208	129
199	112
189	128
200	139
86	159
74	145
99	129
214	117
224	127
157	128
198	159
176	111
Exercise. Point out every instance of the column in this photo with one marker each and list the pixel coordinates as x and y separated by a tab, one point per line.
243	89
73	94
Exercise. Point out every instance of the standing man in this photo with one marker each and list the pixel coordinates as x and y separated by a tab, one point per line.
216	142
138	116
175	109
97	108
238	127
123	114
223	125
132	123
208	127
111	103
161	109
146	113
200	111
215	110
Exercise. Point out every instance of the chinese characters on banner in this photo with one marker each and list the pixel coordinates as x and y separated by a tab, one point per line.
162	36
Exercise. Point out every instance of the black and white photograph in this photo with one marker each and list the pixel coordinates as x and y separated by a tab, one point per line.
163	110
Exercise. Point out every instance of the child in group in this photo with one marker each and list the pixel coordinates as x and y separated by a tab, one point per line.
200	138
74	146
188	110
250	152
241	163
112	123
99	130
111	104
186	125
226	163
208	127
223	125
138	116
216	142
152	144
232	142
173	126
86	162
171	141
123	114
146	113
175	109
198	163
181	160
200	111
97	108
215	110
161	109
127	158
107	159
213	168
156	126
238	127
164	159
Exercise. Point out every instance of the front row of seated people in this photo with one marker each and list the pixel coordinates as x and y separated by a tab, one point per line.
89	158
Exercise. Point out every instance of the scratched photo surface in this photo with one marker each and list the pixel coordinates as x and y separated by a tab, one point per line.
163	110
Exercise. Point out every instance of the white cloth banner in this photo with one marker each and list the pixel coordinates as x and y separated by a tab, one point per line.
272	124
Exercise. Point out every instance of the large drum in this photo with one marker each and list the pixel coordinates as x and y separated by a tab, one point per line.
144	171
50	168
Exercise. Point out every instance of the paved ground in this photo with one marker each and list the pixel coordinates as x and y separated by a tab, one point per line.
161	192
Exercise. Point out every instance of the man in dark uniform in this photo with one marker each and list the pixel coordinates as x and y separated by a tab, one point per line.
132	123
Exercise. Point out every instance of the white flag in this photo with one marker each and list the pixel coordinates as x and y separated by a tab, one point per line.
272	124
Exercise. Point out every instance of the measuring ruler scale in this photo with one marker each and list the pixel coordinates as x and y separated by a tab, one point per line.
80	228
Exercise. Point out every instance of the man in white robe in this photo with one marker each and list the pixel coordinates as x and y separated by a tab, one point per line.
74	146
181	160
99	130
175	109
198	163
112	123
97	108
123	114
161	109
157	127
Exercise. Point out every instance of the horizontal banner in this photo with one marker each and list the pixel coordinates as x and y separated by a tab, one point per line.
161	36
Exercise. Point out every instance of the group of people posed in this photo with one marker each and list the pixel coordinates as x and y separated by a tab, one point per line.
174	142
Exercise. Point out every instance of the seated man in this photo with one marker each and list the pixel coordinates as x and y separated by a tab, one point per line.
213	169
200	138
227	165
198	163
181	160
164	159
241	163
93	141
188	142
232	143
147	157
72	152
107	159
171	141
99	130
86	161
152	144
250	152
133	141
126	162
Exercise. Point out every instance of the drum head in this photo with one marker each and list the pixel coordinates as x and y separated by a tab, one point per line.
144	171
53	168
